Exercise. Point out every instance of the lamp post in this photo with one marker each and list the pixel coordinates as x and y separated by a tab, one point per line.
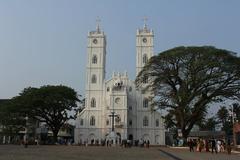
112	116
26	132
234	120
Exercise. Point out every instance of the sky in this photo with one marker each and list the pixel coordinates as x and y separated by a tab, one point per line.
44	42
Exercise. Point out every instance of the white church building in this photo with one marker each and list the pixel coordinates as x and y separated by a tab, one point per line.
114	105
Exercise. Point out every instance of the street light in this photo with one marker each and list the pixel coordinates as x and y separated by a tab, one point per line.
234	120
26	132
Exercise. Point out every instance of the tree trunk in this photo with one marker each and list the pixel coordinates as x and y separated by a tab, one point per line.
185	136
55	135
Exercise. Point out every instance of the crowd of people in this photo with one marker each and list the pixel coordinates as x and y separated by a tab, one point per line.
108	143
210	145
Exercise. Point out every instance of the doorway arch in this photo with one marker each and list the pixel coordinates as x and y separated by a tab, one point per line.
145	137
91	138
157	139
119	139
130	137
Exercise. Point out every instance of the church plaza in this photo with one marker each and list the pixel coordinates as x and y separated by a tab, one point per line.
17	152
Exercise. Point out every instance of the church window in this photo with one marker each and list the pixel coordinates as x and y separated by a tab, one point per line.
130	122
81	122
94	78
145	121
93	102
117	100
107	122
130	108
94	59
145	59
145	103
118	119
92	121
130	89
108	89
157	123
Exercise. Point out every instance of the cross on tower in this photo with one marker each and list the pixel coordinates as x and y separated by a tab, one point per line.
98	20
145	22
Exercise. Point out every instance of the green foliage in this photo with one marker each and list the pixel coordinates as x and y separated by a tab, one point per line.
208	124
225	118
11	122
223	115
187	80
50	104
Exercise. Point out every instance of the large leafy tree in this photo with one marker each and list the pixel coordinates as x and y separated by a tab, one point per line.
187	80
223	115
50	104
227	116
10	121
225	120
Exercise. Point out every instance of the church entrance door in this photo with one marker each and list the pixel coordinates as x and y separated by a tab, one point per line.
130	137
119	138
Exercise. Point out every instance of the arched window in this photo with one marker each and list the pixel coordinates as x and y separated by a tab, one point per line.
81	122
145	103
108	89
94	78
130	108
107	122
157	122
145	121
130	89
93	102
145	59
92	121
130	122
94	59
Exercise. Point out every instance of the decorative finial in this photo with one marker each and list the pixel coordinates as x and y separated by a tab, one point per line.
145	22
98	20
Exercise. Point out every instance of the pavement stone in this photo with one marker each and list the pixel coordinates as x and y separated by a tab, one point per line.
185	154
44	152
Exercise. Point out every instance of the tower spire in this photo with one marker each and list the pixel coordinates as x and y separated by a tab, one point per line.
98	20
145	22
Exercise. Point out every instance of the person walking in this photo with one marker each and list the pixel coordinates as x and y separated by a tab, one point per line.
229	147
191	144
213	143
148	143
218	146
207	145
201	145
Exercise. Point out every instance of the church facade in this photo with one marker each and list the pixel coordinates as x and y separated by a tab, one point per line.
116	105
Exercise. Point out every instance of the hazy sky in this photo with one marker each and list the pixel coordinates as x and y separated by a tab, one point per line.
44	41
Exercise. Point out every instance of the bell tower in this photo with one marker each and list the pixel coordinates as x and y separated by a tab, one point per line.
96	59
144	46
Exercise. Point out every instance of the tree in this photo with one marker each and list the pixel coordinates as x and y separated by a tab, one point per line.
225	120
11	123
49	104
208	124
223	115
187	80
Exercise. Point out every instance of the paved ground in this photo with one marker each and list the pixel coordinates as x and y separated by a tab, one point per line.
14	152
